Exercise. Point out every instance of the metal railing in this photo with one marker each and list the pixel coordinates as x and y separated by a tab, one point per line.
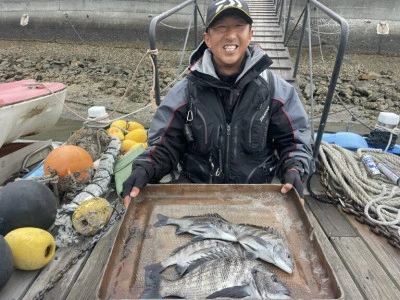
344	32
152	37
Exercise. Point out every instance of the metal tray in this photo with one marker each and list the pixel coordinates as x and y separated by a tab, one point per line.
139	243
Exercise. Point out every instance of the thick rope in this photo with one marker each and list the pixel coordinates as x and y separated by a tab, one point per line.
377	194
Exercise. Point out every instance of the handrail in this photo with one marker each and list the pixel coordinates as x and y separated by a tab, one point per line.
152	37
338	62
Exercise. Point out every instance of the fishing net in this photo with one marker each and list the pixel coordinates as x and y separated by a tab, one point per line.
93	140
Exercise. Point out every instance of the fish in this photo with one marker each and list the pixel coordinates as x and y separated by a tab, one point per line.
207	226
191	254
230	277
267	243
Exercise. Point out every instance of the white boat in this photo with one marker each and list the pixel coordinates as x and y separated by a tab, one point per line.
28	107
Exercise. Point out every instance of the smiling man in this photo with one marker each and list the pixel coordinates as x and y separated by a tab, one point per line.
230	120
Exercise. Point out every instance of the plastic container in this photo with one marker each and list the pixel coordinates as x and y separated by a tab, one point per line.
389	172
96	112
388	120
370	165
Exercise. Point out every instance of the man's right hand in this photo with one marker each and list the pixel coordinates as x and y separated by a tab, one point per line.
131	187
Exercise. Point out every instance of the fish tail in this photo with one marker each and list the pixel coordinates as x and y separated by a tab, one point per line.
152	293
162	220
153	280
151	272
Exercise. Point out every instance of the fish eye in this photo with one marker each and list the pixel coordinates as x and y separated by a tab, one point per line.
254	271
274	278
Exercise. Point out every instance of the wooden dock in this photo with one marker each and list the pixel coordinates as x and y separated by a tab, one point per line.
366	265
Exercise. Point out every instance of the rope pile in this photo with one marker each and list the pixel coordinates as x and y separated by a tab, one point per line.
377	195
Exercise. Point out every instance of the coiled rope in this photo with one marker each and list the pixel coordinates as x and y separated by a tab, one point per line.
378	195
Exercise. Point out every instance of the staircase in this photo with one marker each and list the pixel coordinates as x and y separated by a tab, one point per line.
269	35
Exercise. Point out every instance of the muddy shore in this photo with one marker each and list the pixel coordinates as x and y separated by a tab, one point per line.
120	78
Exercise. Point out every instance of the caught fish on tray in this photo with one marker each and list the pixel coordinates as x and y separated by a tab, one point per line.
139	245
266	243
230	277
207	226
192	254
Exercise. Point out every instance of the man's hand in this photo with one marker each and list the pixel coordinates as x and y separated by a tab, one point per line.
291	179
131	187
134	192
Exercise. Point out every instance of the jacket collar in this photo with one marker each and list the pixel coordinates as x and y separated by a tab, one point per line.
201	61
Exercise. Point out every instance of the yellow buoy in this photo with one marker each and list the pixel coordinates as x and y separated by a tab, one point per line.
121	124
134	125
117	132
32	248
137	135
91	216
127	145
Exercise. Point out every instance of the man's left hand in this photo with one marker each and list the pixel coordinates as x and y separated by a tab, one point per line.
292	179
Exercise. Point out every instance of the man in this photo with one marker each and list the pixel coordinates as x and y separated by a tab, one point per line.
230	120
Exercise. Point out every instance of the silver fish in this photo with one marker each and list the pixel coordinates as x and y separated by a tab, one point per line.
267	244
230	277
191	254
207	226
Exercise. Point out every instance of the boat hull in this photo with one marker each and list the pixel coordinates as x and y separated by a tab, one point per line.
27	108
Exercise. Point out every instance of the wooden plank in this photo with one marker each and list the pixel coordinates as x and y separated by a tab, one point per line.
365	269
331	220
88	282
271	46
268	39
266	23
267	35
62	257
347	285
383	251
282	64
278	54
284	74
18	284
273	28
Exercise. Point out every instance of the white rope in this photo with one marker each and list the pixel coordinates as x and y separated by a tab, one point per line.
376	194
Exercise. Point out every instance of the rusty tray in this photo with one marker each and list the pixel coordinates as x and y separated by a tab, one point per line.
139	243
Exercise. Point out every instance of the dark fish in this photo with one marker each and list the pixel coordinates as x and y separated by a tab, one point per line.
267	244
191	254
230	277
208	226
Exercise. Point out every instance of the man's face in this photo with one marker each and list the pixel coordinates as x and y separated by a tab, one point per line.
228	38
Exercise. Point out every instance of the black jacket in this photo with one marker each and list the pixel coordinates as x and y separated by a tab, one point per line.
191	126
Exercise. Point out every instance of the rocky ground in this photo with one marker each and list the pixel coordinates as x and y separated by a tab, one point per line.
120	78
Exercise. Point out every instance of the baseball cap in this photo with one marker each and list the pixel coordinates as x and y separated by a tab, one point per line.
219	8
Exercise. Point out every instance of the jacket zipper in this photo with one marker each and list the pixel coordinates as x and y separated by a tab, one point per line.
227	155
205	127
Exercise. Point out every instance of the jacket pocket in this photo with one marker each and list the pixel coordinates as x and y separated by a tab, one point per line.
196	168
255	130
201	134
265	172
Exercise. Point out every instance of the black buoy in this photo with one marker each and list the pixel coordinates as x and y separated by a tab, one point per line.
26	203
6	262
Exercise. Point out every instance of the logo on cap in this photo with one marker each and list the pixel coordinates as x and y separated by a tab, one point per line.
231	3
